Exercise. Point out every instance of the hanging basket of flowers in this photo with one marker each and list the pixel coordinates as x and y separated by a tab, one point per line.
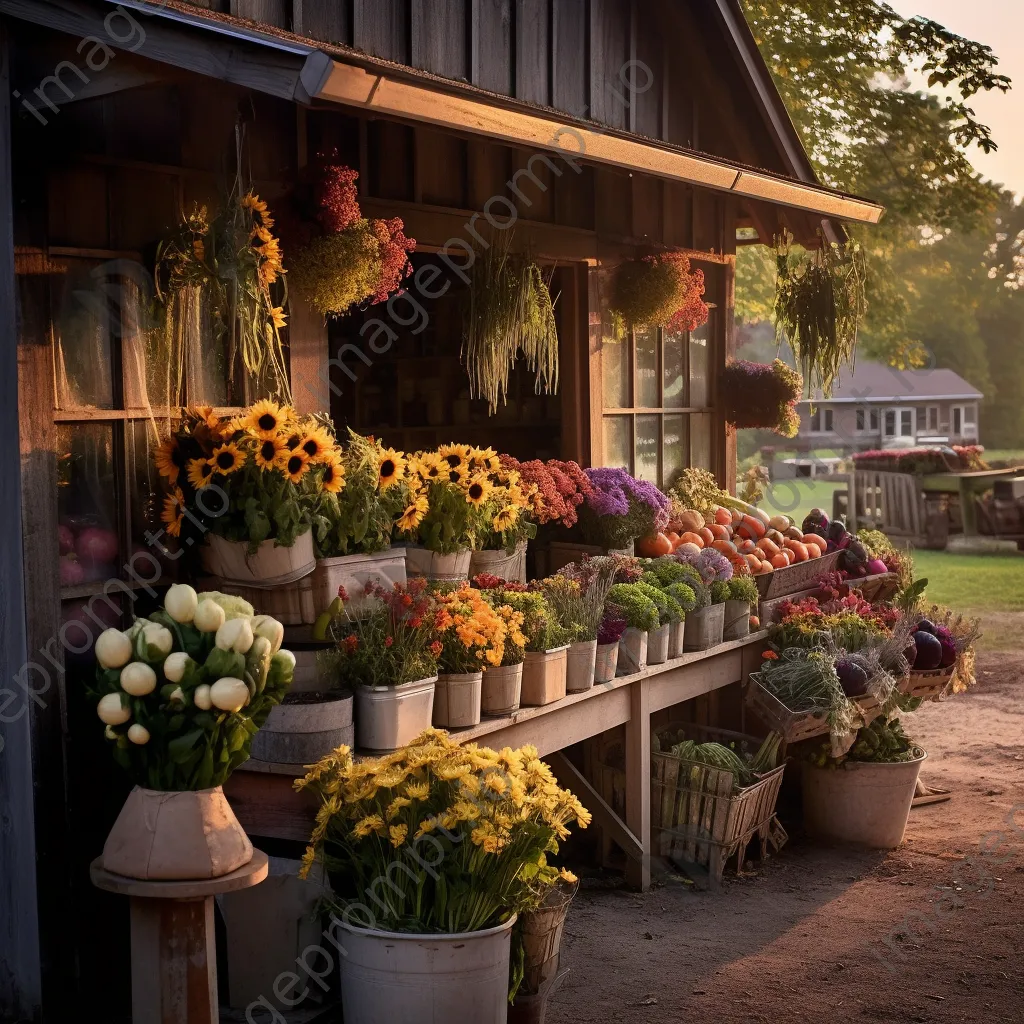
761	395
660	291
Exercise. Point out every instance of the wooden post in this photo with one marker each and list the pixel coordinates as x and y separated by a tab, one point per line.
638	781
20	960
968	513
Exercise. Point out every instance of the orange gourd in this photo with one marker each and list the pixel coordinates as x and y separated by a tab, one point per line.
727	547
799	549
769	547
691	538
746	547
819	542
723	516
690	521
779	561
706	535
754	563
720	532
654	546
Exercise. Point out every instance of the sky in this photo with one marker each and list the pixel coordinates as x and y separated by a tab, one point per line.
999	24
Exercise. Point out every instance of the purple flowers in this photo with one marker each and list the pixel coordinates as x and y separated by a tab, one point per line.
712	565
616	493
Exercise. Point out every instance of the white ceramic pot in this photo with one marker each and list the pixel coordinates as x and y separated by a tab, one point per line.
544	675
449	568
633	651
657	645
606	662
502	689
388	717
398	978
457	699
736	623
676	630
498	563
860	802
581	666
271	565
176	836
703	628
353	572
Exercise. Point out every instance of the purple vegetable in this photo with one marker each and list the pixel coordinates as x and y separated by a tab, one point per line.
948	652
852	678
910	652
876	566
927	626
929	651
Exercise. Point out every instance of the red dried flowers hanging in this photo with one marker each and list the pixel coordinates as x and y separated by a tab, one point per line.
660	291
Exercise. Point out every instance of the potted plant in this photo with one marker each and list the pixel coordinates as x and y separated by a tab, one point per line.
741	601
620	509
389	658
447	515
577	594
669	611
508	524
250	487
682	583
502	687
472	635
659	290
864	796
705	624
181	695
761	396
641	616
547	641
609	633
437	946
353	526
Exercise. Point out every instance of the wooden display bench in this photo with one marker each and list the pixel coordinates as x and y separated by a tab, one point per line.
263	798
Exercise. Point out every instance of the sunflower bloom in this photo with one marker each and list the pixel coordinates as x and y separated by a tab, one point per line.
392	468
479	490
228	458
505	519
317	444
295	465
172	514
169	460
413	514
199	472
278	317
269	453
457	456
333	479
266	419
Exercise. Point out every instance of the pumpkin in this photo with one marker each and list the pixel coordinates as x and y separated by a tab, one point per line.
766	567
692	538
798	549
726	547
690	521
793	533
673	538
720	532
687	548
753	563
780	523
654	545
746	547
812	538
706	535
755	622
780	561
769	547
723	516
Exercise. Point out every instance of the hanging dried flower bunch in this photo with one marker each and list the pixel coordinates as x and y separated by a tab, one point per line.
342	258
660	291
760	395
231	262
819	304
508	313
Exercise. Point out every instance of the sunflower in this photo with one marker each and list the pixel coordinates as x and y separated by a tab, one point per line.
333	479
251	201
479	490
169	459
456	455
199	472
430	467
293	440
269	452
317	444
278	317
228	458
505	518
295	465
457	474
392	468
266	419
172	515
413	514
484	458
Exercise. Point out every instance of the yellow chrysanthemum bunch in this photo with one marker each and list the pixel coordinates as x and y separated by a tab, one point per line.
464	811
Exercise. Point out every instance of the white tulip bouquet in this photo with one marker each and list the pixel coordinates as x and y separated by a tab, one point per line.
183	692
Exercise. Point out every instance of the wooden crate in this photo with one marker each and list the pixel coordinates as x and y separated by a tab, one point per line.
791	725
796	577
291	604
698	816
928	684
880	587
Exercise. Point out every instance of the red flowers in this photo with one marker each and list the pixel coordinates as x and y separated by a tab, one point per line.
343	593
560	487
769	656
388	641
436	648
394	250
350	643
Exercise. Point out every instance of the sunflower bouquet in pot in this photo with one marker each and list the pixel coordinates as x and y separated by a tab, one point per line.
259	476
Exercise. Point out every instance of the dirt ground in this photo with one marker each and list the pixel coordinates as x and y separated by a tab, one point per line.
933	931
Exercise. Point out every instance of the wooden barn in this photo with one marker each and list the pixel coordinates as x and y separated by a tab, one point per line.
589	130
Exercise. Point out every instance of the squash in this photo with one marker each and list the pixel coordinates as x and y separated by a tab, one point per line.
819	542
780	523
798	549
693	538
688	549
673	538
720	532
746	547
706	535
723	516
780	560
793	533
755	622
654	545
754	563
726	547
769	547
690	521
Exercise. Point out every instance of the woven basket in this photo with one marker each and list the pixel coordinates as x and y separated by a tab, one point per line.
791	725
928	684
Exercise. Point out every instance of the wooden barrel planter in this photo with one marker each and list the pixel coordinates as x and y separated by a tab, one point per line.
305	727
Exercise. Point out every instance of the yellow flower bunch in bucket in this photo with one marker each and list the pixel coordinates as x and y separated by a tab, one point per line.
461	833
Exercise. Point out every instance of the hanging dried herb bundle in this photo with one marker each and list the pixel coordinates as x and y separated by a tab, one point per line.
509	312
660	291
819	305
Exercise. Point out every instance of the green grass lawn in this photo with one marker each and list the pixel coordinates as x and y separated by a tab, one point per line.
796	498
973	583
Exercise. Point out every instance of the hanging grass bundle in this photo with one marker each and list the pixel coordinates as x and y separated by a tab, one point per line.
819	305
509	312
660	291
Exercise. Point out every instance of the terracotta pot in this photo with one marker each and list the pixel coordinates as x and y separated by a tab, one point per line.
457	699
502	689
176	836
544	675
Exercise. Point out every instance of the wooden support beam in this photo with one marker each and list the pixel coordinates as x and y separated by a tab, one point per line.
638	782
571	777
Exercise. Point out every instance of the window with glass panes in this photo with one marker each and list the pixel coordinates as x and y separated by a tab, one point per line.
657	416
